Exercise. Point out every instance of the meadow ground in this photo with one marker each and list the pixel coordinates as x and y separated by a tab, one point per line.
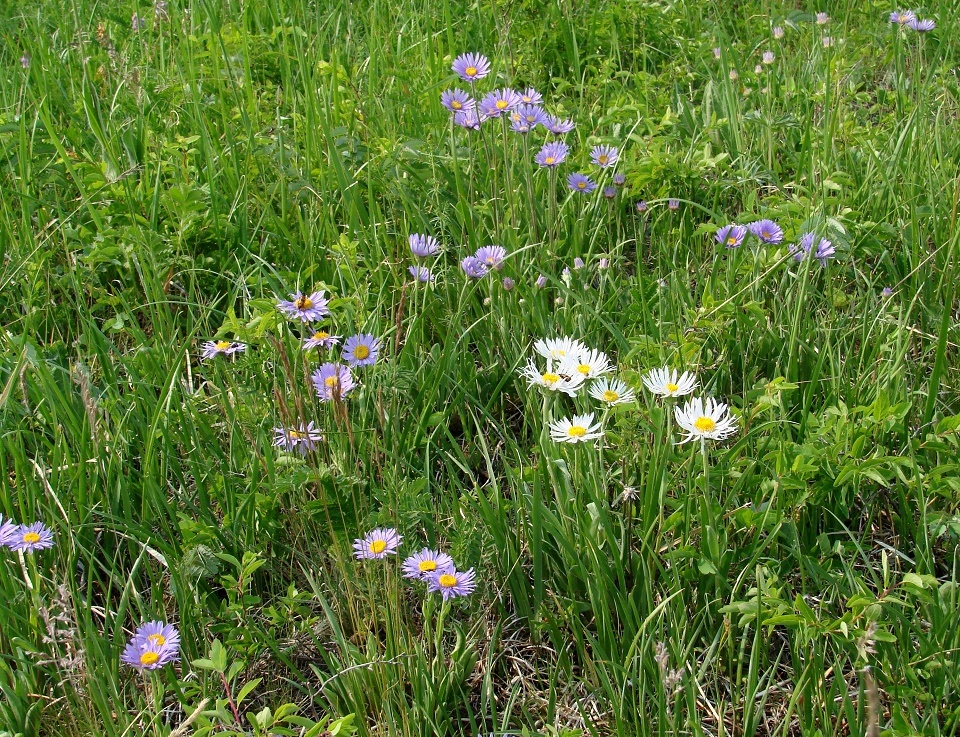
330	398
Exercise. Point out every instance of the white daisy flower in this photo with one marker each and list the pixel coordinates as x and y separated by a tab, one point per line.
611	391
664	382
552	380
703	419
580	429
589	363
558	349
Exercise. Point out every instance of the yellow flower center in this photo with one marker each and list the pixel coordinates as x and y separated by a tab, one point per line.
149	657
321	335
584	368
581	185
378	546
456	105
577	431
549	160
303	303
731	240
296	434
549	378
222	345
448	581
501	104
361	352
705	424
31	538
610	396
428	565
331	381
157	639
671	387
603	159
470	71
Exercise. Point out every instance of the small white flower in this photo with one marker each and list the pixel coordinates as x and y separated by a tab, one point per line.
665	382
590	364
557	349
611	391
579	429
703	419
552	380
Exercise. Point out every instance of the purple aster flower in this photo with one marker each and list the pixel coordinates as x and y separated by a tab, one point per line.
578	263
25	61
767	231
733	75
609	191
332	381
758	69
557	126
673	204
921	26
152	646
321	339
642	206
467	119
552	154
473	267
508	283
541	281
619	179
887	292
306	308
420	273
421	565
802	249
527	117
731	235
361	350
768	57
301	439
604	263
491	256
581	183
30	537
902	17
717	52
212	349
825	250
378	543
7	529
604	156
822	19
457	100
452	583
423	245
531	97
496	103
778	32
471	67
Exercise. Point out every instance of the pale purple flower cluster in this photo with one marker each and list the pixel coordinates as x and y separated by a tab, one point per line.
25	538
152	646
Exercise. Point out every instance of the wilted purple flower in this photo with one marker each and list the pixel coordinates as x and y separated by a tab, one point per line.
552	154
420	273
452	583
581	183
578	263
30	537
471	67
212	349
332	381
301	439
825	250
767	231
902	17
473	267
25	61
619	179
604	156
508	283
822	19
361	350
541	281
305	308
768	57
457	100
491	256
604	263
778	32
921	26
378	543
886	292
321	339
717	52
609	191
423	245
673	204
422	564
496	103
531	97
137	23
731	235
152	646
467	119
642	206
557	126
